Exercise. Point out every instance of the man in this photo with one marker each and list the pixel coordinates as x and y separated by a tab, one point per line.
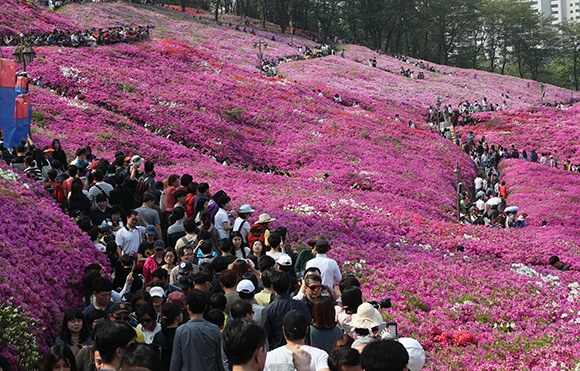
329	270
122	195
277	309
202	280
176	230
150	216
263	297
203	195
185	254
147	248
110	340
246	290
100	187
102	288
384	355
130	237
161	279
295	329
120	312
312	288
197	344
190	235
228	279
556	263
244	343
101	212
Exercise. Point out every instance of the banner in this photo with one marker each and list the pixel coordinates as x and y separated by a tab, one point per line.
18	129
7	91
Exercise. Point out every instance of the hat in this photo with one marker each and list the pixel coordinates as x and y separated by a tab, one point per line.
157	292
245	209
284	260
48	150
265	218
245	287
322	245
366	316
127	158
159	245
185	282
185	267
177	297
295	321
104	227
120	307
137	160
151	230
416	353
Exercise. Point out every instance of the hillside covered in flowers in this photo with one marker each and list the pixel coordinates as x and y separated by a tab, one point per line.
381	191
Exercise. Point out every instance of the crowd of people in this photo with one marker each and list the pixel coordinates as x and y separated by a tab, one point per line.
87	38
198	284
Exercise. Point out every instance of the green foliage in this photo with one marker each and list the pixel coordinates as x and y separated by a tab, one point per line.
16	335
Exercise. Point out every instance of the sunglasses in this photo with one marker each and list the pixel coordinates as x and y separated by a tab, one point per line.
314	287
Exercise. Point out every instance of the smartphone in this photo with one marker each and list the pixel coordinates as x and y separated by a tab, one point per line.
392	328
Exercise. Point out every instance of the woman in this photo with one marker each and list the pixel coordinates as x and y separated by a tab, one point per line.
169	197
351	300
201	206
241	224
89	154
59	154
258	249
323	331
190	200
74	331
207	225
41	162
172	317
169	259
78	202
116	219
240	250
154	261
60	358
148	325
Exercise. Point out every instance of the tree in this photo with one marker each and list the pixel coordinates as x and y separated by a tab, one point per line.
570	42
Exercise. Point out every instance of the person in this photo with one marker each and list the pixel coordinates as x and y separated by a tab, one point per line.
100	187
110	339
556	263
240	250
351	300
257	249
122	195
415	351
169	260
58	153
172	318
344	359
275	243
102	288
130	237
102	212
263	297
146	316
169	197
154	261
74	331
246	290
161	279
260	230
244	344
295	330
279	307
150	216
378	354
139	356
221	219
197	344
59	358
328	267
323	331
241	223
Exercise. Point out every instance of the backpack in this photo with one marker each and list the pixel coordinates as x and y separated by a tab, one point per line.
55	190
257	233
141	188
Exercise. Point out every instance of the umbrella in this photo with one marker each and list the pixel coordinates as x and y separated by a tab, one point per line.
511	209
494	201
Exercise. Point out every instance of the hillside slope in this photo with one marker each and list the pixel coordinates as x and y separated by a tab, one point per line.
382	192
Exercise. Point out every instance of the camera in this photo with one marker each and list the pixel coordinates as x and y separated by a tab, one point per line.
385	303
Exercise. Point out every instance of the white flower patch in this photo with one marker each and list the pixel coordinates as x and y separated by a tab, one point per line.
470	237
352	203
315	134
72	73
527	271
574	288
210	67
301	209
8	175
168	104
76	103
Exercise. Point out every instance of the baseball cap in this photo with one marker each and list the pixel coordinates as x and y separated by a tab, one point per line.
157	292
151	230
284	260
245	286
416	353
185	267
120	307
159	245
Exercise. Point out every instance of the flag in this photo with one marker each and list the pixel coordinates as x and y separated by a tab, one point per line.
7	91
18	129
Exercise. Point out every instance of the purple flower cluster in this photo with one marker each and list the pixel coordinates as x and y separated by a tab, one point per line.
380	191
43	256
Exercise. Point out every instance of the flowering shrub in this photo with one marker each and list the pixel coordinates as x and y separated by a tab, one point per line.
41	268
382	192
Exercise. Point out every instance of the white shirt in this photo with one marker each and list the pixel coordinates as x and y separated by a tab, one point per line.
149	335
328	268
222	217
95	190
245	230
478	182
283	355
129	240
480	204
